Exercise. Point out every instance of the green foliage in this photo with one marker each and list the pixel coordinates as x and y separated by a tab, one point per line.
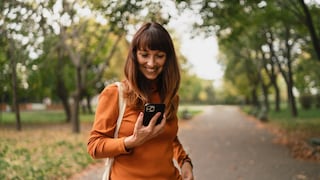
4	75
306	101
307	76
260	41
195	90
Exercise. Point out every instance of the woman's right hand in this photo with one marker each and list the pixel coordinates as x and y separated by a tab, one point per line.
142	133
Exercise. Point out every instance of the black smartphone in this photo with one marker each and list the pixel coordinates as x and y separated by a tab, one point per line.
150	110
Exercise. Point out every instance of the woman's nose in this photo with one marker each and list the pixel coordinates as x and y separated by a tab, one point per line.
151	61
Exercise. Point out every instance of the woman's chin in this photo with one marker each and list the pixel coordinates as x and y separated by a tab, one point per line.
151	76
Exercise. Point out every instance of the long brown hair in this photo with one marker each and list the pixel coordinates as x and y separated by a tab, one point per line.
152	36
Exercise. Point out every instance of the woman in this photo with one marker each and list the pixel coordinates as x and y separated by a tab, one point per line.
152	76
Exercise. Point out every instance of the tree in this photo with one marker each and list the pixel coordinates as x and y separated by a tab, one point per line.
250	22
305	14
18	24
90	42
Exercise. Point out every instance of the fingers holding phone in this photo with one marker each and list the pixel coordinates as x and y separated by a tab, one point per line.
156	125
150	111
149	124
154	121
154	118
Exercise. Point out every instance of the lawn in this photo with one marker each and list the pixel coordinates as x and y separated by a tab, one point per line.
46	148
307	120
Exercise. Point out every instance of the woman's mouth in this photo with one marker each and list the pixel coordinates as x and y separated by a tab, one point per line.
151	70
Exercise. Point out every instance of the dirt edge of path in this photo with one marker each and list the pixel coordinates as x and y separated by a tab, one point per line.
87	170
296	142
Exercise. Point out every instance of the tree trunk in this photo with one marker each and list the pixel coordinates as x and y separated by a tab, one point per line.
277	96
61	89
264	86
62	93
89	107
15	103
271	72
265	93
75	114
255	102
290	83
76	102
274	83
311	28
287	76
291	97
86	103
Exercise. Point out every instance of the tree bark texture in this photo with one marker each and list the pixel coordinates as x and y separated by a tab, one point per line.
15	104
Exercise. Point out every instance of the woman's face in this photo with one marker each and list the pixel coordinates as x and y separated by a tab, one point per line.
151	62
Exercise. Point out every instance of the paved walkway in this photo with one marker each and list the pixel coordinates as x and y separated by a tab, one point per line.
225	145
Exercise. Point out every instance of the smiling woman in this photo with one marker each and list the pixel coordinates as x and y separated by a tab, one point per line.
151	62
152	76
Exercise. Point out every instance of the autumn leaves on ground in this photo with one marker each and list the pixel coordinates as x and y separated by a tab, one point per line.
300	135
299	143
42	150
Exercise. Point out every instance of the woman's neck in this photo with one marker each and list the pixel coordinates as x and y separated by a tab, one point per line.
152	85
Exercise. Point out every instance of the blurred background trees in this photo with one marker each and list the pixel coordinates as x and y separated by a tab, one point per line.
265	44
66	51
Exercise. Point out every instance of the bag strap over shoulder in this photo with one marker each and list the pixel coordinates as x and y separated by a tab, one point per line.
122	107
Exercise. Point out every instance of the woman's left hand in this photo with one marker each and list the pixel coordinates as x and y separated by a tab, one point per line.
186	171
142	133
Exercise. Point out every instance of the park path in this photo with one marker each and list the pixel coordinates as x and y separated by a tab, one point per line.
224	144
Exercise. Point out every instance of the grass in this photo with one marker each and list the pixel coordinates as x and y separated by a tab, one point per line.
308	121
46	148
33	117
40	117
42	153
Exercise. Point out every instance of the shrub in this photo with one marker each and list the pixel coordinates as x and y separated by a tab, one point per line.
317	100
305	101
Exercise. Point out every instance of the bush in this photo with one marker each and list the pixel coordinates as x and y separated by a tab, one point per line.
306	101
317	100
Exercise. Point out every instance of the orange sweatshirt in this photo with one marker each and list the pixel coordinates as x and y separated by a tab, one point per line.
151	160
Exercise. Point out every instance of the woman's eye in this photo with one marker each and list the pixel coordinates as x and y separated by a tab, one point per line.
160	55
144	55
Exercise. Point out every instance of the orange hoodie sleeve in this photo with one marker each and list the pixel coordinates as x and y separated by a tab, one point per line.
101	143
179	153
